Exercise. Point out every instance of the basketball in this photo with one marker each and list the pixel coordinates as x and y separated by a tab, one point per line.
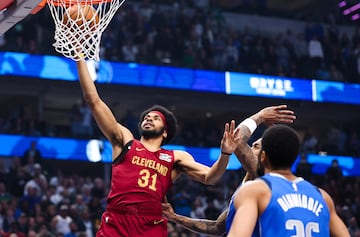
81	15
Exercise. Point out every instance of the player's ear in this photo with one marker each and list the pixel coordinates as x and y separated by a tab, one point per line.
165	134
263	156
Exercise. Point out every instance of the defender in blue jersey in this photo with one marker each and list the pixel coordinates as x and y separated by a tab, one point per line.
248	158
279	203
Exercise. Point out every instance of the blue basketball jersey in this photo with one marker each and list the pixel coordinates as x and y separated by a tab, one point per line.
231	212
296	208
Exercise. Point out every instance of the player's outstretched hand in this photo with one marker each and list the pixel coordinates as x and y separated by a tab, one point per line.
230	138
276	114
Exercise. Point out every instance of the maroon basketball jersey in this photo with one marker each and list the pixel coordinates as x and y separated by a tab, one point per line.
140	176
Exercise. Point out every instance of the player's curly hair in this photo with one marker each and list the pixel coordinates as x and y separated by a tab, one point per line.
170	118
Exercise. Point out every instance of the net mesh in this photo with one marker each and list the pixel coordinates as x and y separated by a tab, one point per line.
76	35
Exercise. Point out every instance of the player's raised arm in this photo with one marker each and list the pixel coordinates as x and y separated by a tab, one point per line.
268	116
202	173
113	131
200	226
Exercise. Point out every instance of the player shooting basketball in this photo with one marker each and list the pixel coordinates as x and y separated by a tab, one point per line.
142	171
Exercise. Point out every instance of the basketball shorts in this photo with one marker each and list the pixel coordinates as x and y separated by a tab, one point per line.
115	223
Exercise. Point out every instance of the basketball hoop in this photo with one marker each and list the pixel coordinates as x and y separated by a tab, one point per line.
78	33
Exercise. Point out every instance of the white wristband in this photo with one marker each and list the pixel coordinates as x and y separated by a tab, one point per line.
250	124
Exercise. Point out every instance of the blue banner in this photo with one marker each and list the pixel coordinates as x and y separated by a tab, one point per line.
338	92
57	148
155	76
268	86
233	83
349	165
59	68
46	67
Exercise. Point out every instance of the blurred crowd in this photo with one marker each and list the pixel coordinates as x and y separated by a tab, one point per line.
183	34
34	203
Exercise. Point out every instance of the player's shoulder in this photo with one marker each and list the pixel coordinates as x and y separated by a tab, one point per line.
180	155
251	189
259	183
254	185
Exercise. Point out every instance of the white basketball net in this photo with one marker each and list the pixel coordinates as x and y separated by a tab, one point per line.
74	40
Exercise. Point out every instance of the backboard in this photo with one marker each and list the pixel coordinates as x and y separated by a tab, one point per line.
13	11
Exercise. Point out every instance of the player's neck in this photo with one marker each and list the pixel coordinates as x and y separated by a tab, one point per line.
151	144
283	172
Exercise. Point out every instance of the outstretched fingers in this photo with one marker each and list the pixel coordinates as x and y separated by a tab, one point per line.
286	116
228	142
232	127
226	130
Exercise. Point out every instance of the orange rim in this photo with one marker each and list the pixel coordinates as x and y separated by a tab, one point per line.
68	3
38	7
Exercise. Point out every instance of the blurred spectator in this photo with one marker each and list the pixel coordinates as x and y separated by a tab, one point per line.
2	215
334	171
61	222
86	224
18	182
8	219
283	56
211	211
4	124
22	221
5	196
356	55
73	230
98	190
44	231
13	231
322	72
335	139
129	51
80	204
310	143
303	168
346	214
38	183
32	153
316	52
198	209
14	166
182	203
301	51
219	201
354	143
4	173
29	201
335	74
32	233
81	120
53	196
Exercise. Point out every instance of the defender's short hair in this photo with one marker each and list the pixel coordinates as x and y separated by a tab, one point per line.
170	118
281	144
